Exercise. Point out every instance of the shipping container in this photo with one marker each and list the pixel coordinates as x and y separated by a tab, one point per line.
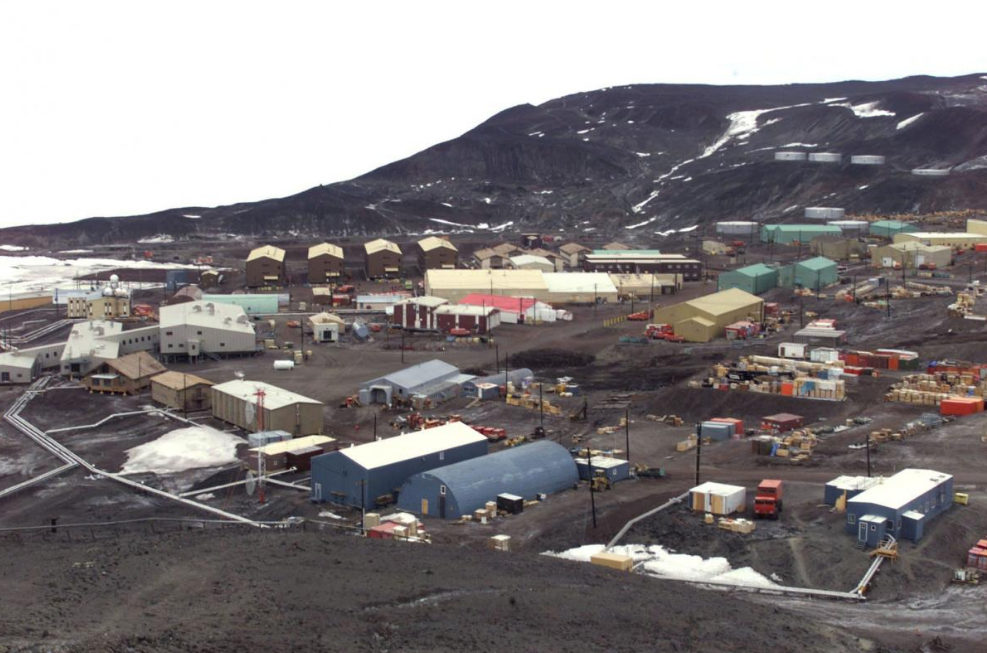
716	431
961	406
718	498
738	424
510	503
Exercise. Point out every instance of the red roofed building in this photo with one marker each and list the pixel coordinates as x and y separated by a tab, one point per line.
513	310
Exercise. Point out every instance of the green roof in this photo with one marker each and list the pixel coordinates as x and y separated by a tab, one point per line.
818	263
756	270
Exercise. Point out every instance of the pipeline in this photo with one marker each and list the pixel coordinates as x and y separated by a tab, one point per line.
627	526
12	415
37	479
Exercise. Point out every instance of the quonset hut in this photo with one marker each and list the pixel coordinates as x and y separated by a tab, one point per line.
542	467
372	473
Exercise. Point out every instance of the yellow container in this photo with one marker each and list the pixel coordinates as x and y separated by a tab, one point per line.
961	498
612	560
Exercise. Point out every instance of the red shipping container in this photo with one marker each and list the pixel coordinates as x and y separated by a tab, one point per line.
982	544
980	247
383	531
961	406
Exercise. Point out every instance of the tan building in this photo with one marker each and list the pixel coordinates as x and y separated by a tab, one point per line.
383	259
574	254
558	262
976	226
210	278
912	255
125	375
453	285
104	307
704	318
265	267
615	246
258	406
837	248
325	263
437	254
185	392
714	247
488	259
957	239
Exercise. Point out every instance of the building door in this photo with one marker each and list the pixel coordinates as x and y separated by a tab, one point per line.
861	532
442	501
317	491
424	507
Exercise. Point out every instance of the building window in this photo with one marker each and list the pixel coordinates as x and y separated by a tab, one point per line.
169	333
170	346
222	344
198	333
851	518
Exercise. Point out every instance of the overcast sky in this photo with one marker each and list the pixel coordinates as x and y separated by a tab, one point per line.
121	108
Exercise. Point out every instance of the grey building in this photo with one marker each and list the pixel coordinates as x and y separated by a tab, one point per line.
434	379
902	506
519	377
200	328
451	491
370	474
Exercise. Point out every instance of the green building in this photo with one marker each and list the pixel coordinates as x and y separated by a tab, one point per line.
755	279
252	304
815	273
787	234
888	228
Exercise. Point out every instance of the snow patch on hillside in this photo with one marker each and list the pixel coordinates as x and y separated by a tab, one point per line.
12	248
158	238
641	224
865	110
907	121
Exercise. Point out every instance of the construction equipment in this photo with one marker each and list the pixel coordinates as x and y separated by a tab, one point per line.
643	471
640	316
966	576
767	501
579	415
658	331
600	481
349	402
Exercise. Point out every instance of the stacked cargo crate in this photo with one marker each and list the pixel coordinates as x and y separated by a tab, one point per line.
956	393
977	556
783	376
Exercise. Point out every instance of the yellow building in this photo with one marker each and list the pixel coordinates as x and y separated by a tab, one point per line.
704	318
956	239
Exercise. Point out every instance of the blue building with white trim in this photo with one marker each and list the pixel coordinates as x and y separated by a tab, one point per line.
902	505
359	475
541	467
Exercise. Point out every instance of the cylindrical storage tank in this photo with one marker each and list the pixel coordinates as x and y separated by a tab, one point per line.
737	228
284	365
867	159
852	227
930	172
824	212
825	157
790	156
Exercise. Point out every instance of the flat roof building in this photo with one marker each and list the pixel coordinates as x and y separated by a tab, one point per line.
181	391
788	234
201	328
902	505
957	239
888	228
265	267
705	318
239	402
643	260
372	474
911	255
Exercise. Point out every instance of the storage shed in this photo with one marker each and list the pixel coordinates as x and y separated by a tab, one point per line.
902	506
527	471
850	486
478	320
265	266
124	375
383	259
185	392
912	255
755	279
782	422
956	239
325	263
888	228
520	377
704	318
718	498
838	248
615	469
821	337
373	473
435	252
256	406
435	380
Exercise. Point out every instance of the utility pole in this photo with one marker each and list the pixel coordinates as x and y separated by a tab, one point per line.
541	406
699	448
627	434
402	345
505	371
497	356
592	497
595	300
868	454
887	294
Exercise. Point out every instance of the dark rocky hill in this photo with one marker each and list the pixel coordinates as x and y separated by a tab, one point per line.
667	156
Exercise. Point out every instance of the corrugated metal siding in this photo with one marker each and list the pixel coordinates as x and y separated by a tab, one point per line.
541	467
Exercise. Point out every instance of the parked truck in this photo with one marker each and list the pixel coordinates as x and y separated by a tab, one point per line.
767	500
662	332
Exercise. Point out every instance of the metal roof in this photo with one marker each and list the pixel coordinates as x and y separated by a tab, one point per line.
725	301
821	228
501	302
719	489
531	259
89	339
274	397
381	245
216	315
266	251
420	374
573	248
955	235
818	263
425	300
756	270
901	489
528	470
381	453
434	242
179	381
465	309
892	224
136	365
284	446
325	248
498	280
586	282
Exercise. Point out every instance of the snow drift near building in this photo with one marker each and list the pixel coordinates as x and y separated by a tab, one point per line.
181	450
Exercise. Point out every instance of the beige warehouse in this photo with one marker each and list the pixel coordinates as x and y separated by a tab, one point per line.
186	392
704	318
456	284
911	255
957	239
237	402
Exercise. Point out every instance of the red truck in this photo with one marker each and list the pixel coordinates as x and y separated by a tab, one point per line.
767	501
662	332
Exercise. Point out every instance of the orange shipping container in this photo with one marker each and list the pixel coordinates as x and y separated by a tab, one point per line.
787	389
961	406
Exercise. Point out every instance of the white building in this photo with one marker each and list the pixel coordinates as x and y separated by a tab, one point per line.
196	328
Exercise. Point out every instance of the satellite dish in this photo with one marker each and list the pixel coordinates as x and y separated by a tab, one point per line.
251	485
249	413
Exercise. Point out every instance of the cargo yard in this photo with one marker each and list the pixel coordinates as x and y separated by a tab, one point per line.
793	438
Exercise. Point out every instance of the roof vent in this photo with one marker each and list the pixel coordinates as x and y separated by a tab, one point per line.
197	308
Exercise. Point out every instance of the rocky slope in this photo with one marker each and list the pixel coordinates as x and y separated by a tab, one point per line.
634	159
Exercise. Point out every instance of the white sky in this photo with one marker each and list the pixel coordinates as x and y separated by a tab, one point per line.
119	108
